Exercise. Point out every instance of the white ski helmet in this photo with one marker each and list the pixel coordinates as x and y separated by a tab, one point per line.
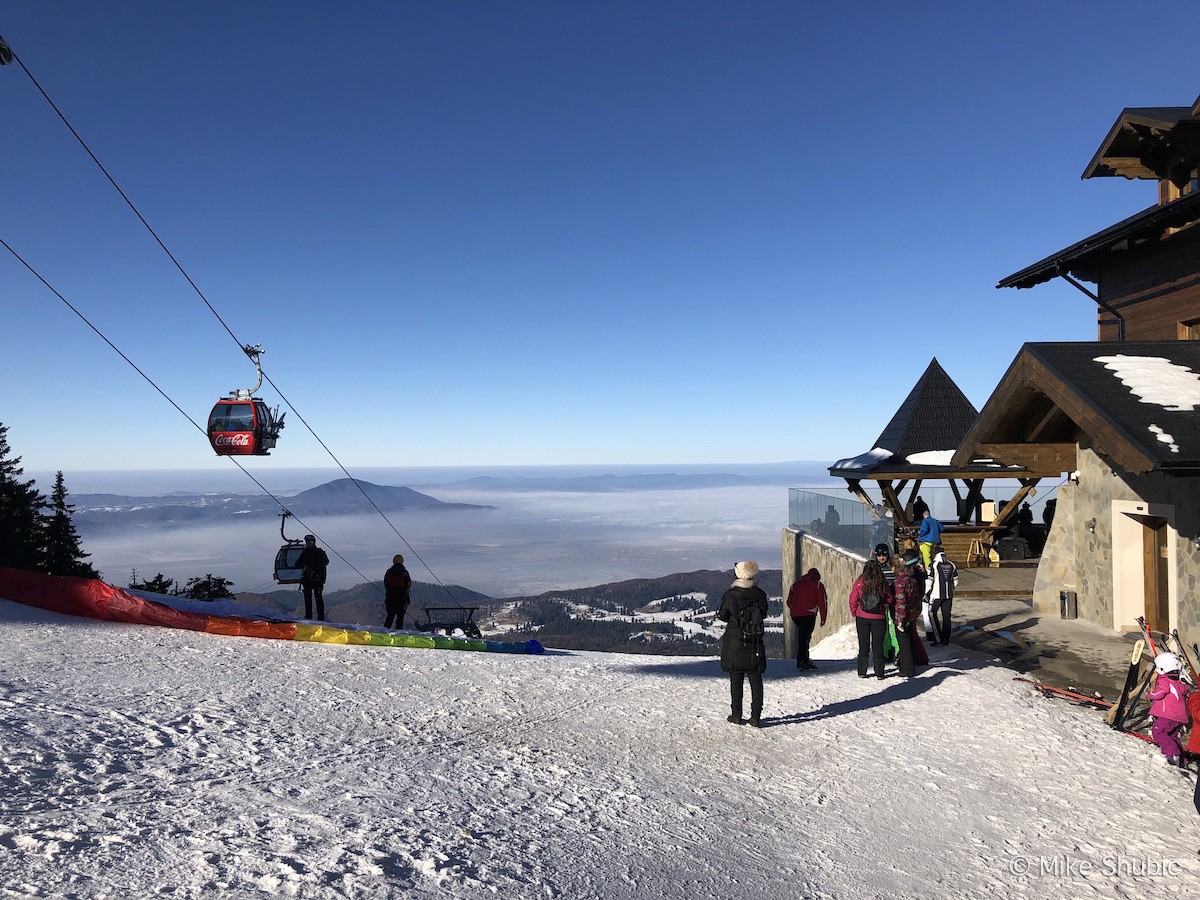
1166	663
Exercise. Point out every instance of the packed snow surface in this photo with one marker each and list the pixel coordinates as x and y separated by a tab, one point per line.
1157	380
141	761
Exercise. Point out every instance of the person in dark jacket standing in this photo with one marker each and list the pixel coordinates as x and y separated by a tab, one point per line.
883	556
743	609
313	561
806	600
396	586
870	598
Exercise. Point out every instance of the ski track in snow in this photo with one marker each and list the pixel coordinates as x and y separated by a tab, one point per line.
138	761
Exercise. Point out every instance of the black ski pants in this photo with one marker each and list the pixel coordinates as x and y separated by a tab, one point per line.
804	631
314	590
939	614
904	656
737	681
870	644
397	608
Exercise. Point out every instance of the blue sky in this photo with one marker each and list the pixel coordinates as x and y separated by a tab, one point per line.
549	233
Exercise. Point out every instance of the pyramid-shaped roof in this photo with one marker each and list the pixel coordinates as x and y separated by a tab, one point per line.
922	435
935	415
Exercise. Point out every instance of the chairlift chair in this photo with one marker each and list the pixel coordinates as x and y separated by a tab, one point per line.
286	571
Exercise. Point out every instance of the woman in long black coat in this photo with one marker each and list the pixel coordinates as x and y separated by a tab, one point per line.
743	609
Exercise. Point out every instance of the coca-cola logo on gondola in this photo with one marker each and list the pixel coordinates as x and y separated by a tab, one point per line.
232	440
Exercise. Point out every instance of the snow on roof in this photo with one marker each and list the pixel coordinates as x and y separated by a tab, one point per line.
931	458
1165	438
1156	380
863	460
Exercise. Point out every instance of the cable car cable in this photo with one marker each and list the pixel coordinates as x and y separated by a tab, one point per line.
167	397
211	309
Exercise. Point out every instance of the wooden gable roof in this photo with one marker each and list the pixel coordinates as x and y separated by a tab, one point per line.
1145	142
1135	403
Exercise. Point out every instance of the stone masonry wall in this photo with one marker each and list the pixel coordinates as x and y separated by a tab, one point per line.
1076	559
838	567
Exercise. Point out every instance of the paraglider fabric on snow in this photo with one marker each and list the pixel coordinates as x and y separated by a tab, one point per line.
94	599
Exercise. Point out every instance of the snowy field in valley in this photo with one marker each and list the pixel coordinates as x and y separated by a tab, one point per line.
141	761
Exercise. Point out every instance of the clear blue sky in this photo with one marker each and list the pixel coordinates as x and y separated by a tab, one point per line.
549	232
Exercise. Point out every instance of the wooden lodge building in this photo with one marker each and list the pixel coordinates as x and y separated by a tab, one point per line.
1120	416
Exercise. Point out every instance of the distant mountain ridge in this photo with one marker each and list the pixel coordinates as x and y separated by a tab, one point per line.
613	483
334	498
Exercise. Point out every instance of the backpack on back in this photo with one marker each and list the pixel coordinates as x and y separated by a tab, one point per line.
750	623
871	603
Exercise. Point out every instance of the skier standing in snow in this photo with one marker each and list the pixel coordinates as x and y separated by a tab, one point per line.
396	586
910	594
743	609
1168	705
870	598
313	561
805	601
939	598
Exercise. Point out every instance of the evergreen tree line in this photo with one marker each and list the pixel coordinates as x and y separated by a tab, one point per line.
37	533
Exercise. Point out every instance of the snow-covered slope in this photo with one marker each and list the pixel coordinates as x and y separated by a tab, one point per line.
139	761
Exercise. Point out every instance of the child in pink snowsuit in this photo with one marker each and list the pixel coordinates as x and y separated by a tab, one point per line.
1168	705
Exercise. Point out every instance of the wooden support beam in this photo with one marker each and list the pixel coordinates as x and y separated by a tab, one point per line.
1034	433
893	501
912	497
1043	460
855	487
1027	485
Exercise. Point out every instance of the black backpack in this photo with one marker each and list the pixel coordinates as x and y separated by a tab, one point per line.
871	603
750	623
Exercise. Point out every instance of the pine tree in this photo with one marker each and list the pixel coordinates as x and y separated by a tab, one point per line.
159	584
64	556
22	535
210	587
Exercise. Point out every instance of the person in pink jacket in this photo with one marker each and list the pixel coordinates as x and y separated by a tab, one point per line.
805	601
870	598
1168	705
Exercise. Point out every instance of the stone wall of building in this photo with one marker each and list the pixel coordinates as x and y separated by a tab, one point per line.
1078	559
838	567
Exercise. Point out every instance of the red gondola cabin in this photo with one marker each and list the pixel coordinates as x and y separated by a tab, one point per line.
243	426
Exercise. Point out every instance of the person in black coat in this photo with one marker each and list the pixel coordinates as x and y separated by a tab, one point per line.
313	561
743	609
396	586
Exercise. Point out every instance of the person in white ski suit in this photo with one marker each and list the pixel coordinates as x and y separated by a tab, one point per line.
939	598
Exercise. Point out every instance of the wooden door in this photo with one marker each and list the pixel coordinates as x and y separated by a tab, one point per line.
1156	573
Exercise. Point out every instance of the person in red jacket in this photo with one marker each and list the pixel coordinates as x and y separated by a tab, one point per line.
396	586
805	601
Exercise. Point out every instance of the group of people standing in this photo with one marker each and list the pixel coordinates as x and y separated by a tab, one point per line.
892	592
314	565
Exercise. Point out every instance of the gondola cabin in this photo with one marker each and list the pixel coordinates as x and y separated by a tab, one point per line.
286	571
240	426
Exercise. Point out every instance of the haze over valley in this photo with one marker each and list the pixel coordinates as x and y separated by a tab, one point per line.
506	536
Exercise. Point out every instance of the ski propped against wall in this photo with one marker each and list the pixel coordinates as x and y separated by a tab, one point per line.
1116	716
